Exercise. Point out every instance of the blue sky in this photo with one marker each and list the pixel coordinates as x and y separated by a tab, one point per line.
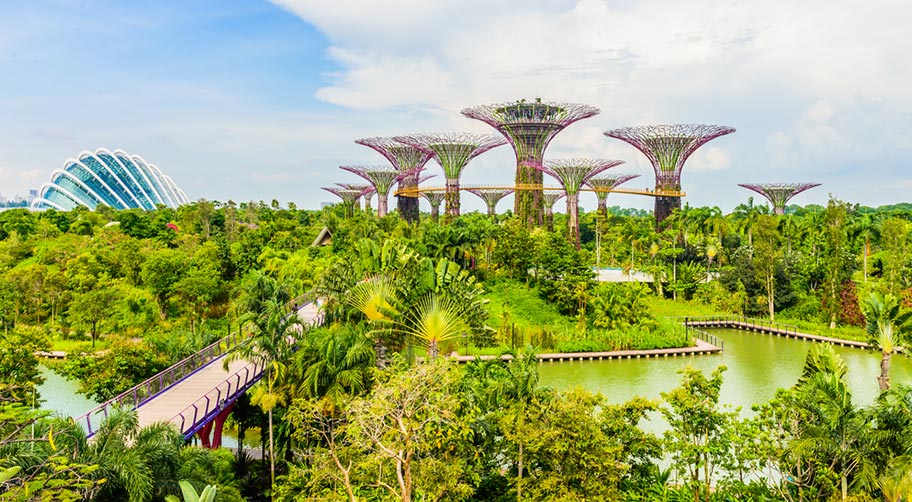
258	100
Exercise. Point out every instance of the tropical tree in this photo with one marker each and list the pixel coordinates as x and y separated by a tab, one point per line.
886	326
270	347
434	319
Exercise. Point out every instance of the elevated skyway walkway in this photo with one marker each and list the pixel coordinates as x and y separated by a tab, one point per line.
197	393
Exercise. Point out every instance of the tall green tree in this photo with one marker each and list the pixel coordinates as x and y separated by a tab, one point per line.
886	325
767	258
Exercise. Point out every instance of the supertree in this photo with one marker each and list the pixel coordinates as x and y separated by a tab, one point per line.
779	193
529	126
453	151
434	199
367	191
572	175
404	158
667	147
549	198
349	197
382	178
491	196
603	185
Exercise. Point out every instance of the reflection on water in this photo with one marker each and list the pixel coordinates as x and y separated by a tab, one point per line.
59	395
758	364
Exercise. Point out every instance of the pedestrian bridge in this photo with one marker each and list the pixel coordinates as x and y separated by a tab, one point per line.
195	394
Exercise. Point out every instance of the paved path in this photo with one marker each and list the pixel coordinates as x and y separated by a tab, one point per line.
700	348
207	381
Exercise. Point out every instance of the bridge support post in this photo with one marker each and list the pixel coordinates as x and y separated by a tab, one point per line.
219	424
211	434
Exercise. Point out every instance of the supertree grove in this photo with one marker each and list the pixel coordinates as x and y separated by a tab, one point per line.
404	158
434	199
367	191
572	175
779	193
603	185
491	196
349	197
529	126
549	198
668	147
453	151
382	178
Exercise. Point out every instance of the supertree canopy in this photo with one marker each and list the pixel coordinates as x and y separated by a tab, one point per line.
404	158
572	175
453	151
382	178
603	185
779	193
667	147
549	198
367	191
529	126
434	199
491	196
349	197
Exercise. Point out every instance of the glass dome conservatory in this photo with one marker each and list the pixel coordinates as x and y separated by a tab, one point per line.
116	179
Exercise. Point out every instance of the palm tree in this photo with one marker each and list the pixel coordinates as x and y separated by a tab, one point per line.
886	327
333	366
270	347
433	319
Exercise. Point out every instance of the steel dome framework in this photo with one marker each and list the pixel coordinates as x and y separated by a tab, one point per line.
116	179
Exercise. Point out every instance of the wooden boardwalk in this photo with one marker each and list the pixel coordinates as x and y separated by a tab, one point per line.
206	390
772	329
700	348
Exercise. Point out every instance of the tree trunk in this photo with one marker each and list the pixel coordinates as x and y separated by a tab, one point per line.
271	453
884	378
520	472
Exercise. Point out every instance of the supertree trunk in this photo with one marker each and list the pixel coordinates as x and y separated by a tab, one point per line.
528	203
491	211
382	201
549	218
452	198
573	217
408	206
664	206
435	212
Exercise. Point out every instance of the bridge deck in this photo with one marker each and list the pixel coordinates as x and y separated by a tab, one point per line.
188	402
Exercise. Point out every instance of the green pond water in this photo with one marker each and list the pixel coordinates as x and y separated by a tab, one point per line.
758	365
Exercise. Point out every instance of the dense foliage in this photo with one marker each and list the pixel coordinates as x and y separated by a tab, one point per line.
364	408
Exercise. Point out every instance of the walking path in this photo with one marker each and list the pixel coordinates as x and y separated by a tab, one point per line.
770	328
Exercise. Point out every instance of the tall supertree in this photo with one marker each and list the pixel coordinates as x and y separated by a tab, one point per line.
382	178
667	147
603	185
529	126
404	158
349	197
434	199
367	191
452	151
779	193
491	196
572	175
549	198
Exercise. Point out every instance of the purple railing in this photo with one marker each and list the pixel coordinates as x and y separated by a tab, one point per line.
200	412
140	394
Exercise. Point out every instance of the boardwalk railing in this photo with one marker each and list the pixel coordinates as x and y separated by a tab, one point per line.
143	392
764	326
706	337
